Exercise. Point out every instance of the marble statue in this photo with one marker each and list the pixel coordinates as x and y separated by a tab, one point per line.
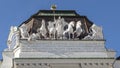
24	31
60	23
69	30
91	34
78	30
95	32
42	29
52	29
13	37
60	29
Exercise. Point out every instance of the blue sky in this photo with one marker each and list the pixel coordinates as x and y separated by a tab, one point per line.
105	13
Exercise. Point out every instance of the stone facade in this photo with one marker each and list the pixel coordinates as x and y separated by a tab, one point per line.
63	63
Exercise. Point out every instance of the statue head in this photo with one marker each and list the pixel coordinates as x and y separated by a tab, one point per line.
15	28
78	23
59	17
72	23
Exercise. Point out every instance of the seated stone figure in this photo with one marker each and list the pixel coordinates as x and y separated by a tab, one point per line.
95	33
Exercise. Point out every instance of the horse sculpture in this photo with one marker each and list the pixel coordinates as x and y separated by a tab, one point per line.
69	30
42	29
41	32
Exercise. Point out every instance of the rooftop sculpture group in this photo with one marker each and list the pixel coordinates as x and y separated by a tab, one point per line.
58	29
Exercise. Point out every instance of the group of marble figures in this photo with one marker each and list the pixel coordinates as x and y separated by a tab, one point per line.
59	29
